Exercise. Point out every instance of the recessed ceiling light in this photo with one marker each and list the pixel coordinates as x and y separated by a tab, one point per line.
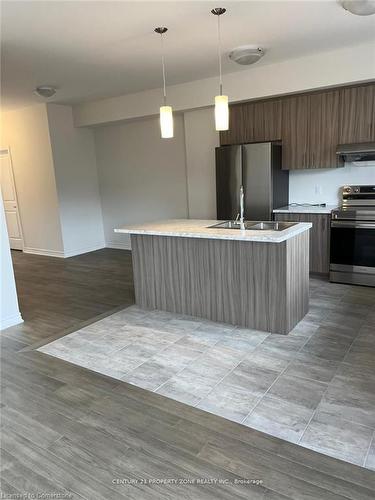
359	7
246	54
45	91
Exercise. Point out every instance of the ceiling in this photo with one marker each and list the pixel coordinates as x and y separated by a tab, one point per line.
92	50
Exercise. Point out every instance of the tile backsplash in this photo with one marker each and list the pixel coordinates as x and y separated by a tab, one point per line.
323	185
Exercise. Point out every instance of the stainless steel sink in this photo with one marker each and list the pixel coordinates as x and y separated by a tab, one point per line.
272	226
254	226
229	224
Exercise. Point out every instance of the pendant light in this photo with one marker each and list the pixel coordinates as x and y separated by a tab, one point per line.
166	115
221	101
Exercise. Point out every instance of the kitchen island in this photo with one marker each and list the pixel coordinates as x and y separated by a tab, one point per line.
257	279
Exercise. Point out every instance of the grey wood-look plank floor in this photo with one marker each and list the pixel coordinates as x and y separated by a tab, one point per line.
69	431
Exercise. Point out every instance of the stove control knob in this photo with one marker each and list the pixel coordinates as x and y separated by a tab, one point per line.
347	189
356	190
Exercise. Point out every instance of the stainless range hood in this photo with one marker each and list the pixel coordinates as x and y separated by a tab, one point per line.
356	153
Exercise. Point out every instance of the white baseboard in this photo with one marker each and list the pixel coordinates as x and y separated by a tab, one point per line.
120	246
66	253
90	248
13	320
78	251
42	251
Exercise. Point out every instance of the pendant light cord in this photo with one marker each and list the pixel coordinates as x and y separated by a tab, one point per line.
163	69
219	54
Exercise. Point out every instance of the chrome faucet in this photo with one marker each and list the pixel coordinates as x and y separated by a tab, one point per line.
242	208
240	216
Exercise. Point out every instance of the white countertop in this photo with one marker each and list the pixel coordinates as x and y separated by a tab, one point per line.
305	209
193	228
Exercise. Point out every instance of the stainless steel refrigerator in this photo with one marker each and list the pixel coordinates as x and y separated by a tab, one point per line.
257	167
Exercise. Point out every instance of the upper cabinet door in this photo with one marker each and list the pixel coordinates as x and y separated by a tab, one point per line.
323	129
241	124
267	120
310	130
258	121
295	118
357	114
237	122
247	131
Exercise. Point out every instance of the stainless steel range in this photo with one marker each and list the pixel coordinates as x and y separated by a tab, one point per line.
353	237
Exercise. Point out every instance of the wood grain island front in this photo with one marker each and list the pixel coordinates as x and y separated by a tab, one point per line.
258	281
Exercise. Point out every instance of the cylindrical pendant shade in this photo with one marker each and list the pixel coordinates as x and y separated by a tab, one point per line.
166	122
221	112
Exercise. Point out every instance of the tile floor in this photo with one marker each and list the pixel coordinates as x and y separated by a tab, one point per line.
314	387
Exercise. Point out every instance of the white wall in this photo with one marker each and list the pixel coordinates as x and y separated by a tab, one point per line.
323	185
141	176
74	160
26	133
335	67
201	140
9	311
56	180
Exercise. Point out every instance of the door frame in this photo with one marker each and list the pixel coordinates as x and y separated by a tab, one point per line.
7	150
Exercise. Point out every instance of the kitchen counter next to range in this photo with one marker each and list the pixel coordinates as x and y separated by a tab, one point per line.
193	228
304	209
258	279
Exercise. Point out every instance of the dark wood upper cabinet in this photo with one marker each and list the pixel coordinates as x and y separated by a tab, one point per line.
310	130
310	125
235	133
357	114
323	129
267	120
247	127
295	134
257	121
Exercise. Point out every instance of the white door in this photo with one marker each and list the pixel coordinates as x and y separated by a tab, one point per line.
10	201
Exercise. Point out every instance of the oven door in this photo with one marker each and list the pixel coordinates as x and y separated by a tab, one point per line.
353	247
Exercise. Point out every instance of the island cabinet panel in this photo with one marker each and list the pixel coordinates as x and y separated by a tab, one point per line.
263	286
357	114
319	238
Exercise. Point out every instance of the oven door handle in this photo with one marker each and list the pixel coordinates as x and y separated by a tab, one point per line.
355	225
